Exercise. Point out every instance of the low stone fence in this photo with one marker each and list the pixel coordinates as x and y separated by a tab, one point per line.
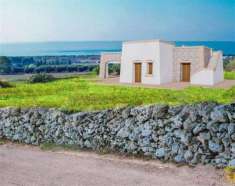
191	134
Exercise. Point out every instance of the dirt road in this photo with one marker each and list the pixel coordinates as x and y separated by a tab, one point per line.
30	166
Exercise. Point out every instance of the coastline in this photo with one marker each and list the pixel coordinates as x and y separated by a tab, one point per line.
83	48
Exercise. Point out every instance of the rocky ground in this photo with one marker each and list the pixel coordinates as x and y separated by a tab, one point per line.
26	165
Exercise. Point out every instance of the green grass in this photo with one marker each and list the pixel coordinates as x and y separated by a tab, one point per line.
54	147
79	94
229	75
2	141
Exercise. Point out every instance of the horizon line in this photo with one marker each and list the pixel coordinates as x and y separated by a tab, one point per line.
71	41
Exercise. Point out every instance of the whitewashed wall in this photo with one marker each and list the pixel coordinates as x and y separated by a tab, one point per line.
140	52
210	76
166	64
219	72
144	52
161	54
204	77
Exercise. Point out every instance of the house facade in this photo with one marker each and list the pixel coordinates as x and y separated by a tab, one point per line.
158	62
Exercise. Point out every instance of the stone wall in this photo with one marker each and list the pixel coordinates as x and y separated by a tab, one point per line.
191	134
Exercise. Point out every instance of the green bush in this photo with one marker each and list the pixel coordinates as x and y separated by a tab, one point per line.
96	70
41	78
5	65
230	66
5	84
114	69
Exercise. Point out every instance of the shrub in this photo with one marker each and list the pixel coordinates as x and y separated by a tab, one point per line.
5	65
114	69
96	70
230	66
41	78
5	84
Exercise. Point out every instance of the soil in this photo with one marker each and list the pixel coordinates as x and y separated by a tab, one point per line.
30	166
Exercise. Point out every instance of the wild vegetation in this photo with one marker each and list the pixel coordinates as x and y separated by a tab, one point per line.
114	69
5	84
5	65
46	64
229	63
83	93
41	78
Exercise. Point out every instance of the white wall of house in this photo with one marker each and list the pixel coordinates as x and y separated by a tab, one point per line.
210	76
161	54
140	52
204	77
144	52
219	71
166	64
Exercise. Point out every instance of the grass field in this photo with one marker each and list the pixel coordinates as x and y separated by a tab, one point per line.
82	93
229	75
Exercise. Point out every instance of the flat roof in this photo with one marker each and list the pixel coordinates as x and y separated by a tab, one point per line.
196	46
149	41
104	53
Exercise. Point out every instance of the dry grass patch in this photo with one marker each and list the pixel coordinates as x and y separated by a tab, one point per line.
230	174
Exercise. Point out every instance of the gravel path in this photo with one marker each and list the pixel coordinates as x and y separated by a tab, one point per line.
23	165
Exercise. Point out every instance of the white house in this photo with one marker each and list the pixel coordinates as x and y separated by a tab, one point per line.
157	62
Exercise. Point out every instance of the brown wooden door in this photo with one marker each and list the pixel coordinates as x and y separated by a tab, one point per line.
138	72
185	72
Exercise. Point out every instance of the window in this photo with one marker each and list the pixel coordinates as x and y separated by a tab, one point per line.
150	69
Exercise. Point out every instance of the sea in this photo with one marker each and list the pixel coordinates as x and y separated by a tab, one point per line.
93	48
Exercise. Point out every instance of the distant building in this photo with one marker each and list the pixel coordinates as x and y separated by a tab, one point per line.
157	62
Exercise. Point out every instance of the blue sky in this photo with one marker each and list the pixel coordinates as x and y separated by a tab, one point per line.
74	20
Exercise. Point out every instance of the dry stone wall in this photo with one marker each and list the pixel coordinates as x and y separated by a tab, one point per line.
202	133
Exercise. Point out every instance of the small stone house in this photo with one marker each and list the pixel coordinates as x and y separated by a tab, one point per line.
158	62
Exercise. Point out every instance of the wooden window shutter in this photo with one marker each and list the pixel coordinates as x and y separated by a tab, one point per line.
150	68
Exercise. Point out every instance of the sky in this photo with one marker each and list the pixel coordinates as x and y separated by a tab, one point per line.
83	20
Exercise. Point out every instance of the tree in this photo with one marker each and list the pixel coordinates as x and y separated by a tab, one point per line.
5	65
